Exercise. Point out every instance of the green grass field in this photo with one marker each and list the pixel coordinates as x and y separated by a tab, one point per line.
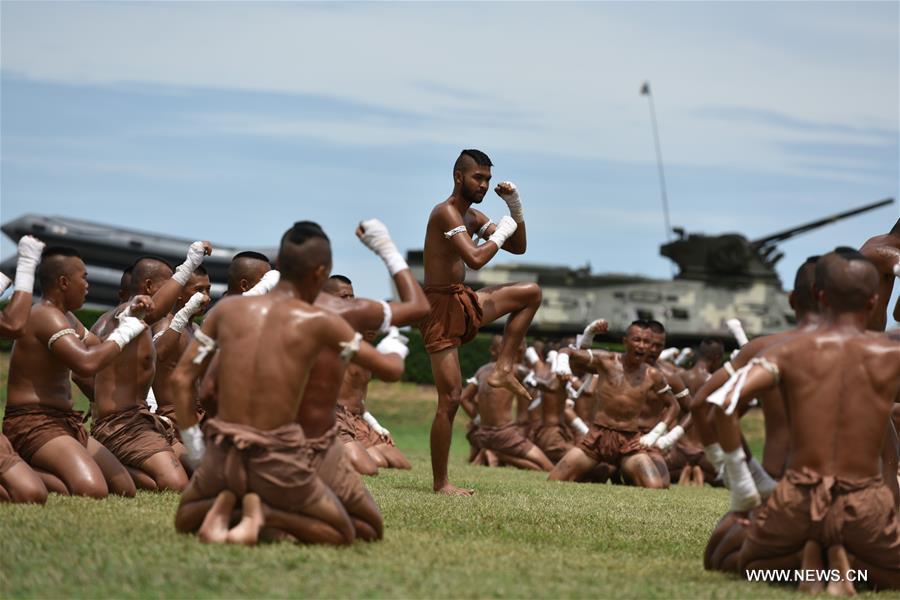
520	536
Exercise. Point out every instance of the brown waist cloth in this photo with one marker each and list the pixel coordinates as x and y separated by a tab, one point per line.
506	439
856	513
31	426
275	464
8	456
606	445
134	435
454	318
554	440
334	470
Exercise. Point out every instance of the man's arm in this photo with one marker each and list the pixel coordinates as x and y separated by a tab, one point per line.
385	362
413	305
475	257
167	332
165	297
67	346
467	398
14	316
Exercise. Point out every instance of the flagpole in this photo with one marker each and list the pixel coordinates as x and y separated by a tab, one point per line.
645	91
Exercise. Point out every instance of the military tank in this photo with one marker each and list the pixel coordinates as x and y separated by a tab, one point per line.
720	277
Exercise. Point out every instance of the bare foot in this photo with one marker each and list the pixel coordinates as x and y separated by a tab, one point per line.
507	380
247	531
452	490
214	529
812	560
837	559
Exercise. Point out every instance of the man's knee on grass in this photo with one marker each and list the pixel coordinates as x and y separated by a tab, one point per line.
573	465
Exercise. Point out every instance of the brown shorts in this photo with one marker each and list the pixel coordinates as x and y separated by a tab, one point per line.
30	427
682	455
335	471
275	464
859	514
605	445
554	440
506	439
8	456
134	435
454	318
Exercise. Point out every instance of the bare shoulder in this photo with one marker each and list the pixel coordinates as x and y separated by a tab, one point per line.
46	320
444	214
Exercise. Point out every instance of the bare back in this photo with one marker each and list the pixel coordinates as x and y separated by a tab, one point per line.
494	404
838	404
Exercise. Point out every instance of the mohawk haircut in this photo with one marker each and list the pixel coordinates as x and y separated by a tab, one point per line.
481	159
53	265
804	282
303	248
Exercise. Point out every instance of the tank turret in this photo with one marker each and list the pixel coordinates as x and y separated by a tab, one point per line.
732	259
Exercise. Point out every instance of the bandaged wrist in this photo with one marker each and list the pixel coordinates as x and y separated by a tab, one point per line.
193	260
668	440
192	438
374	424
714	454
4	282
649	439
505	228
25	274
183	316
737	330
531	356
128	329
514	203
394	343
562	366
265	285
764	482
580	426
744	495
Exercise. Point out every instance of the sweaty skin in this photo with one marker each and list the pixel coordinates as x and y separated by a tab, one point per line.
266	347
40	376
884	252
626	385
445	264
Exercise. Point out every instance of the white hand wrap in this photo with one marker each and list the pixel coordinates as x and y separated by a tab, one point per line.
744	495
737	330
192	438
531	356
668	440
505	228
377	238
374	424
191	308
729	394
551	358
128	329
530	379
513	202
764	482
351	347
715	455
684	357
472	381
561	367
586	339
265	285
193	260
29	249
394	343
4	283
579	425
649	438
668	354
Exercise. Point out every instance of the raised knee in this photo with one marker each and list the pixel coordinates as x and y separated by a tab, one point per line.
533	293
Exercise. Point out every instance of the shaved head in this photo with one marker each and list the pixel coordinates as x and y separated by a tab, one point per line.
149	268
340	286
803	296
469	158
247	267
847	278
711	350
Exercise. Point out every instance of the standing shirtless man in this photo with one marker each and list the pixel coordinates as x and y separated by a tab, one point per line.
884	252
627	383
456	311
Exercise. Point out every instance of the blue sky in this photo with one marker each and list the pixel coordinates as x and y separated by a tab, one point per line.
229	121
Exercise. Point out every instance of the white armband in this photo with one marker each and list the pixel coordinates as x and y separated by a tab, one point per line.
483	231
683	393
535	403
207	345
455	231
580	426
350	348
663	390
387	317
472	381
729	368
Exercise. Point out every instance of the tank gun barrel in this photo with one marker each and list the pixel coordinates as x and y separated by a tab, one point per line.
789	233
